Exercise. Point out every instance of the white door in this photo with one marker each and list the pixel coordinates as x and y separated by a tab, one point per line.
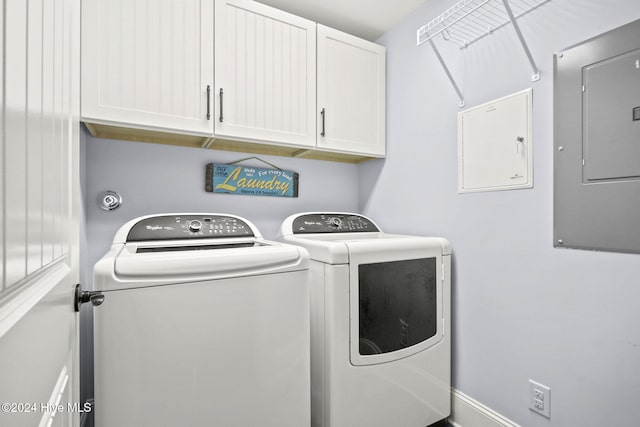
39	204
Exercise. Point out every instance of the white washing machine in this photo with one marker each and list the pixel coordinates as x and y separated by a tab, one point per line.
380	322
204	323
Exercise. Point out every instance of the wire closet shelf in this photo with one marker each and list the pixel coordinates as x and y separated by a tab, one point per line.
470	20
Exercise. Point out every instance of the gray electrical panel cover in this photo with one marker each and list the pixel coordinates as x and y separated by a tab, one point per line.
597	143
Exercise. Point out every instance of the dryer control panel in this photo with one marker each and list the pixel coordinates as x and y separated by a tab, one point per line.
332	223
176	227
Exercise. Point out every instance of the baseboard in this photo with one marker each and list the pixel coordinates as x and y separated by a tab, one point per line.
467	412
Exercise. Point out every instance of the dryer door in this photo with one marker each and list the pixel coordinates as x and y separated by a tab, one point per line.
396	299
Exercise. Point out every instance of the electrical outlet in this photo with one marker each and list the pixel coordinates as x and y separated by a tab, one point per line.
540	399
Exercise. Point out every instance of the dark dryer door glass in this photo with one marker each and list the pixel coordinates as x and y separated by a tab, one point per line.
397	304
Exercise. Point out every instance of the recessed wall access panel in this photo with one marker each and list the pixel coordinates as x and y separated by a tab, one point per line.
597	143
495	145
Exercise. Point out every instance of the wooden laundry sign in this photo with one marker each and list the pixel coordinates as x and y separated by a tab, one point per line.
250	180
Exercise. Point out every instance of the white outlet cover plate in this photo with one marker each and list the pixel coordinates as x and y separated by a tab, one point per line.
533	387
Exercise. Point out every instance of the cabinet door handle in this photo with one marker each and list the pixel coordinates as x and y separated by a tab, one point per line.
208	102
221	103
322	113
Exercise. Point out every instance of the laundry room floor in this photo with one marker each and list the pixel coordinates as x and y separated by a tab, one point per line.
442	423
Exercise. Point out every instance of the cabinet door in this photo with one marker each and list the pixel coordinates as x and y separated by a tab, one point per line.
351	94
148	64
265	74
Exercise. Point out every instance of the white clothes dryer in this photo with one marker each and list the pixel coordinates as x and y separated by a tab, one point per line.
204	323
380	322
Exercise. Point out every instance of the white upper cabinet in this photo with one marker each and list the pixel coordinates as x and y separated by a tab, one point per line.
351	94
148	64
281	84
265	74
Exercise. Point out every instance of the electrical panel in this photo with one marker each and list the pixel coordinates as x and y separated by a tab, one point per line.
597	143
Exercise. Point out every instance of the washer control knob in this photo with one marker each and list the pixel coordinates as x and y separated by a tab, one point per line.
195	226
336	222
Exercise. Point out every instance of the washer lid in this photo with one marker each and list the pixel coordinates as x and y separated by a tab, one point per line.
239	258
178	248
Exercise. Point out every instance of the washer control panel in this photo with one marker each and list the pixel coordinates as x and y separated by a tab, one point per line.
332	223
175	227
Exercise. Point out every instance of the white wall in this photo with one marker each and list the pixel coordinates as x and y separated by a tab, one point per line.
568	319
154	178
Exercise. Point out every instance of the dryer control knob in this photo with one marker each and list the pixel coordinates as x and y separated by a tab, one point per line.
195	226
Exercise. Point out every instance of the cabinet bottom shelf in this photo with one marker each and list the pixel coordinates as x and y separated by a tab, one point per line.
204	142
